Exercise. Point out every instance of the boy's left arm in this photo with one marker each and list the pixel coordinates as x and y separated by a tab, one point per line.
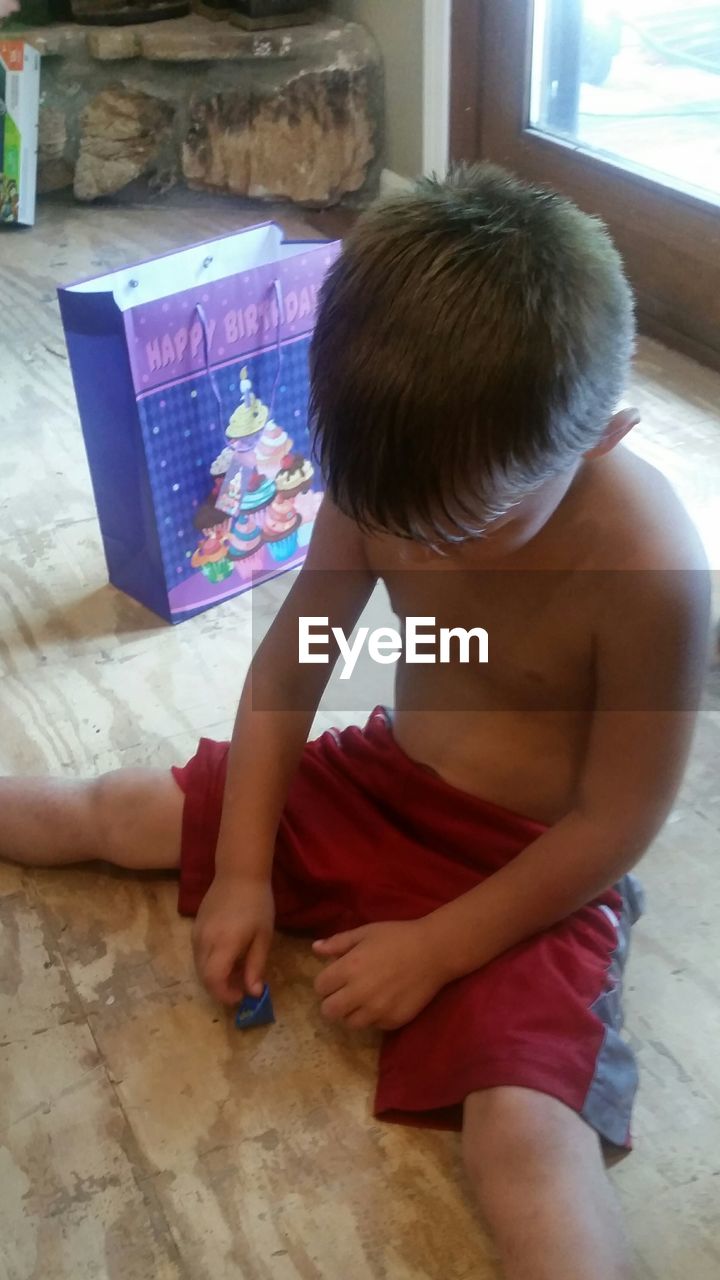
650	664
650	668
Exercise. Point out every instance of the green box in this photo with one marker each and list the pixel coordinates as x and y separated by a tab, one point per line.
19	105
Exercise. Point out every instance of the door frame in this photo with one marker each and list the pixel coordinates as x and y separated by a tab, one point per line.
669	238
437	20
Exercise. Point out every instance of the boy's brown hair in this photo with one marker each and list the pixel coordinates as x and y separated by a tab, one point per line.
472	341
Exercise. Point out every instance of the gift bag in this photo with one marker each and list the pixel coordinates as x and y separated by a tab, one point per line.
191	377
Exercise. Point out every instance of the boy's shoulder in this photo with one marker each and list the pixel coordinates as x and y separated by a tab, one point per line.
655	612
640	519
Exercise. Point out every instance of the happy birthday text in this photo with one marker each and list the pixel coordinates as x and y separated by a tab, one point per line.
238	325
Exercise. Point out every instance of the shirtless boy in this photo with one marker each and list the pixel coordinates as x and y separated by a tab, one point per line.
464	865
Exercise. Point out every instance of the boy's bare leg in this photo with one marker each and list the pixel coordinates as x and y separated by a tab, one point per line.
132	818
538	1173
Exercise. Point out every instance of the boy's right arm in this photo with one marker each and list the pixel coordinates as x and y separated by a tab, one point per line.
234	926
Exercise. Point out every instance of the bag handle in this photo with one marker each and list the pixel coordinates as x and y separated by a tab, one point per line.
276	288
280	302
200	310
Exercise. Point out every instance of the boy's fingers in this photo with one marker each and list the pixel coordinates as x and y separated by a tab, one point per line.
332	978
255	962
338	1006
340	944
220	979
360	1020
628	418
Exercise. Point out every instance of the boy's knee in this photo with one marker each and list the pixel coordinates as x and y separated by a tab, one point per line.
134	818
107	818
509	1133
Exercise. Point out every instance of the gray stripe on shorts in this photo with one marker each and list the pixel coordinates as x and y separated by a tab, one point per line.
609	1101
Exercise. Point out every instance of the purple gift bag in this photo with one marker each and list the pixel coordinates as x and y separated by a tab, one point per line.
191	376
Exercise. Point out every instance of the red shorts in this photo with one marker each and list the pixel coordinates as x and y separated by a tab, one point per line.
368	834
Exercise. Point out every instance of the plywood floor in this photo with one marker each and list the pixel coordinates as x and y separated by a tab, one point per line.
141	1137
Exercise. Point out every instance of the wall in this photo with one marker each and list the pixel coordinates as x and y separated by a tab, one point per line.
398	28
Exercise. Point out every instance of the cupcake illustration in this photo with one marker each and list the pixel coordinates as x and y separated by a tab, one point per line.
307	506
229	495
295	475
258	493
272	449
283	519
213	546
217	572
249	419
220	467
281	525
246	542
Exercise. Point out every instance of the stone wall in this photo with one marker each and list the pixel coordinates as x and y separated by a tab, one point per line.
294	113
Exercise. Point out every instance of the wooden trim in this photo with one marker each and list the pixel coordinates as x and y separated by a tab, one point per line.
669	336
466	40
669	239
436	85
504	109
334	223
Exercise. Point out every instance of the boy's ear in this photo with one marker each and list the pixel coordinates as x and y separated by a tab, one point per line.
617	428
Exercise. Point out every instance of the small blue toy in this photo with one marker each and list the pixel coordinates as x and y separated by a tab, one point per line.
255	1011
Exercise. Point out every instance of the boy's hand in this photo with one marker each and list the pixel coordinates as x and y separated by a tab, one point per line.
381	975
232	936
